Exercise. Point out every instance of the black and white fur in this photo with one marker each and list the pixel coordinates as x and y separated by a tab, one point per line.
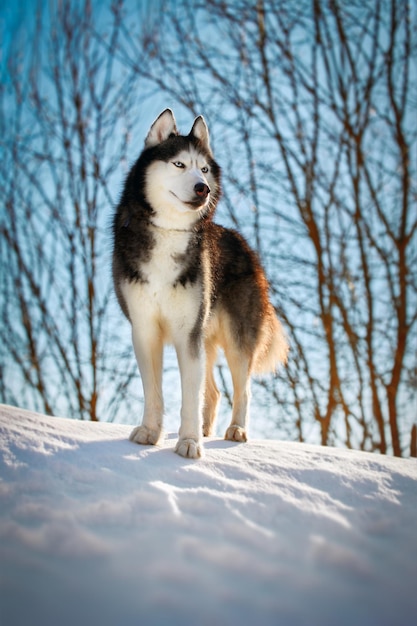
182	279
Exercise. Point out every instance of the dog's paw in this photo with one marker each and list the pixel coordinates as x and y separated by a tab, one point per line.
236	433
145	436
189	448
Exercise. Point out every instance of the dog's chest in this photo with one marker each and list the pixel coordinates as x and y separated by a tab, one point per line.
161	296
168	259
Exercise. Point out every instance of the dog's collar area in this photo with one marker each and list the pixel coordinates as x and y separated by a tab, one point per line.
177	230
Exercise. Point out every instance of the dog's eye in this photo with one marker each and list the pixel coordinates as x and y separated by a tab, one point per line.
205	169
179	164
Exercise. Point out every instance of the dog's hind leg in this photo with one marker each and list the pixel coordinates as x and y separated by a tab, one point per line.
149	351
211	393
239	365
192	379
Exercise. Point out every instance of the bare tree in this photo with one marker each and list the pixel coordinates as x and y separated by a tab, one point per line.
312	105
67	115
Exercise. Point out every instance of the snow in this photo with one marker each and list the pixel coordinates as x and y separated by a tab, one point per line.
97	530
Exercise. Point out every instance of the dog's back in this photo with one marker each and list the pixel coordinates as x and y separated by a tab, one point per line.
241	309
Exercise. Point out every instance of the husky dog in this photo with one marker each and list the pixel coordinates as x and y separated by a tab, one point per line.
182	279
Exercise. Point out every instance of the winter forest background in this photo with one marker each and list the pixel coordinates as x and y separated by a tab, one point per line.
312	109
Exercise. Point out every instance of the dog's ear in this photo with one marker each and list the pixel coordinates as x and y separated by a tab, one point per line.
200	132
164	126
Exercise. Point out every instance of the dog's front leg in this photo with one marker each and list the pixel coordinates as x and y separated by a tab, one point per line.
192	378
148	351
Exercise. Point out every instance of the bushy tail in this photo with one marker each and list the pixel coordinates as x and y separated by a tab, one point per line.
272	349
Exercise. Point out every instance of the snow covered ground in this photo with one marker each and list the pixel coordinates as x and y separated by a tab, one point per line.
97	530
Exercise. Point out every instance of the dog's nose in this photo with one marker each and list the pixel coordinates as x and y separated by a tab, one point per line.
202	190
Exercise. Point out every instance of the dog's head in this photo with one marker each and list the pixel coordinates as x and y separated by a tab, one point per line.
182	179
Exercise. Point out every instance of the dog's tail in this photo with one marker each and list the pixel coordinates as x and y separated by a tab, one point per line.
272	348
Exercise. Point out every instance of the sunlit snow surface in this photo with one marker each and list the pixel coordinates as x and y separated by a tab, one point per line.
97	530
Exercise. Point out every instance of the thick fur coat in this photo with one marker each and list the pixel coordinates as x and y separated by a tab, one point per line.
181	278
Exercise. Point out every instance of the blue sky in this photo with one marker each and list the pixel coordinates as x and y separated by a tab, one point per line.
13	18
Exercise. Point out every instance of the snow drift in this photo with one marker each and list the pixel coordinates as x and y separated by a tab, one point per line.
97	530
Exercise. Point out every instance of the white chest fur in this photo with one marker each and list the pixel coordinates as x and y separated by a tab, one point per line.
160	299
167	260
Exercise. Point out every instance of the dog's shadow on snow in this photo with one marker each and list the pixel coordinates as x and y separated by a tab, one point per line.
169	441
209	443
